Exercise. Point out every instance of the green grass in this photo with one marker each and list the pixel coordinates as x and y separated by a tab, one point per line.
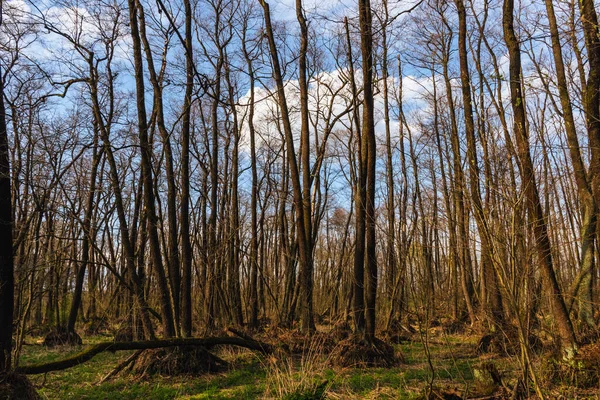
253	378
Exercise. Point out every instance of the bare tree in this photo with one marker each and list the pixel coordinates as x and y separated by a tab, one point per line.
6	239
530	189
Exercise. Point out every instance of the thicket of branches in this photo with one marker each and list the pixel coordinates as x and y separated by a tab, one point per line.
180	167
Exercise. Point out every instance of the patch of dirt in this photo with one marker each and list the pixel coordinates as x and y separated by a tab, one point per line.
17	387
176	361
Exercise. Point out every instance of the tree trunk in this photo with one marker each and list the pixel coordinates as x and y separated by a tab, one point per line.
358	287
496	313
184	221
306	269
369	155
301	236
532	198
146	164
6	241
87	237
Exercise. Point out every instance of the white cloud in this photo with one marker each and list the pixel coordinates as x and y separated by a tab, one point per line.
329	98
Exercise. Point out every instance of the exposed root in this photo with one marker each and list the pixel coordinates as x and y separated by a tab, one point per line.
354	352
17	387
175	361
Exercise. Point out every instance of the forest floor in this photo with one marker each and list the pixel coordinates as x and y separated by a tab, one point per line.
451	369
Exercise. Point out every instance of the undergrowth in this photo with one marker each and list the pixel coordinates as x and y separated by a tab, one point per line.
283	375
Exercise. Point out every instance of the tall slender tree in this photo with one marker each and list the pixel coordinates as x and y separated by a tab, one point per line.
147	179
301	234
6	239
368	149
529	183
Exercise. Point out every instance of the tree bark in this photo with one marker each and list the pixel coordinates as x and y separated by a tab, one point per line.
306	269
358	284
369	155
184	221
588	205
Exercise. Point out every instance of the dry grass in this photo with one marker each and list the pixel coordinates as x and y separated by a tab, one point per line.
300	377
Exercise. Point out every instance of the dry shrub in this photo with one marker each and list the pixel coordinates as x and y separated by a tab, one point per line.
585	367
176	361
60	337
39	330
550	370
581	371
355	352
507	342
453	326
96	326
396	337
17	387
340	331
124	334
296	342
291	341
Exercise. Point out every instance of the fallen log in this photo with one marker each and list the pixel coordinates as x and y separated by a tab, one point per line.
96	349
